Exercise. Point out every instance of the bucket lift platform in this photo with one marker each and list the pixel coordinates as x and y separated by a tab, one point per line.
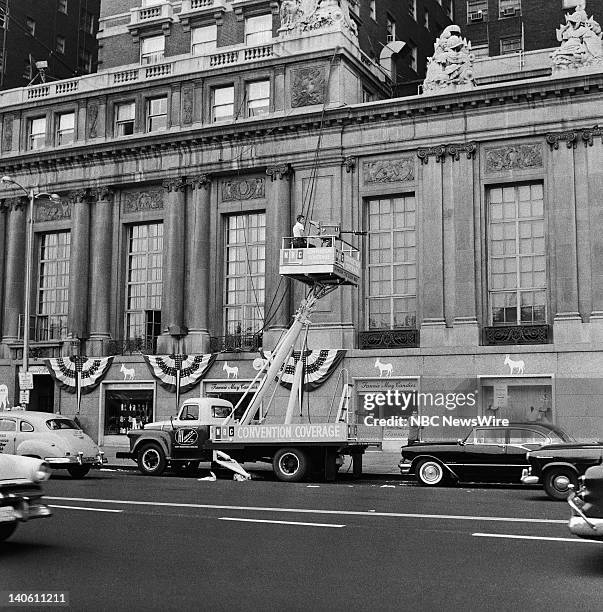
323	259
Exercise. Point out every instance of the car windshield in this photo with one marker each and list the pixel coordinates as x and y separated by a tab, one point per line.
61	424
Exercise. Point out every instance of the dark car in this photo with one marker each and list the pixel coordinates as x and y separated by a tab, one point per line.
586	520
557	466
487	454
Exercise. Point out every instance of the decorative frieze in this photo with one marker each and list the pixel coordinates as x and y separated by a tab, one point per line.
517	334
7	133
572	137
391	338
151	199
514	157
279	171
49	210
396	170
440	152
307	86
243	189
187	105
92	119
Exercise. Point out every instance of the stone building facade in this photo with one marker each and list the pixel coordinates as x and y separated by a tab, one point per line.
480	263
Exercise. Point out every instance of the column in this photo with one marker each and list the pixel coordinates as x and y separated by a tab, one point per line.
172	301
3	237
585	301
101	265
79	261
278	224
594	172
14	279
198	265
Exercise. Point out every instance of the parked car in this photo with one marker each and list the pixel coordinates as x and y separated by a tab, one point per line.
54	438
557	466
487	454
20	492
586	520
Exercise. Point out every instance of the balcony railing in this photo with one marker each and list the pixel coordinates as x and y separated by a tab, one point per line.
152	14
388	338
130	346
44	328
518	334
235	343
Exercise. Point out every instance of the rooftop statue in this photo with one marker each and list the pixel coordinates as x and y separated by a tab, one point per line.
580	40
306	15
451	66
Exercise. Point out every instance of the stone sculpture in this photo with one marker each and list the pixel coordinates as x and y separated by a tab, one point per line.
451	65
580	40
300	16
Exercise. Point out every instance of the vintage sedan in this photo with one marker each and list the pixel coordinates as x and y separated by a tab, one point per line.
54	438
20	492
487	454
586	520
557	466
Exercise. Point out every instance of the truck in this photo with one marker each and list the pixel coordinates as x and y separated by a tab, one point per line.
205	429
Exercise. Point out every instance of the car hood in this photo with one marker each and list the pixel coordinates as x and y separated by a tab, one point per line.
567	446
14	468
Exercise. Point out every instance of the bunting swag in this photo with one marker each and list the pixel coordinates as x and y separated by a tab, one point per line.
319	367
179	373
67	370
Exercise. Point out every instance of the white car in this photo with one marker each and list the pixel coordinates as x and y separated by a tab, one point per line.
58	440
20	492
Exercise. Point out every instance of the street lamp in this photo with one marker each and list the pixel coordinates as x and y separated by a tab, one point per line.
32	197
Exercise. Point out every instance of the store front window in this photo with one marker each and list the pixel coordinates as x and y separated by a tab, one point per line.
525	400
127	409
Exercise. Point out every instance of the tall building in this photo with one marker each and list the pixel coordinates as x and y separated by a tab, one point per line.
504	27
61	34
183	163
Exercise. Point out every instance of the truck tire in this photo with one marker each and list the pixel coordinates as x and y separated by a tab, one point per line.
78	471
556	482
430	473
290	464
151	460
7	530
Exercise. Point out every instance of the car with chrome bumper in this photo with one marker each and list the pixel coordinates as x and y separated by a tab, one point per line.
558	466
56	439
586	520
20	492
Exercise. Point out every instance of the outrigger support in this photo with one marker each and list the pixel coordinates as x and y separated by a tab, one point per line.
229	463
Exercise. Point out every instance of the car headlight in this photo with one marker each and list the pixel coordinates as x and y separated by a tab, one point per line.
41	473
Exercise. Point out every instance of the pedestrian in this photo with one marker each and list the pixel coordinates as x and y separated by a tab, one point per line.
299	231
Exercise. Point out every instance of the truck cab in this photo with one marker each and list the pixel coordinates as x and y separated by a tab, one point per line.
196	412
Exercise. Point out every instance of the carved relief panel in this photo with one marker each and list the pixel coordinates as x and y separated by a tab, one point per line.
514	157
49	210
142	201
307	86
242	189
397	170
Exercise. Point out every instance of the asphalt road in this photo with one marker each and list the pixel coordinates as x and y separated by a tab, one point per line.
122	541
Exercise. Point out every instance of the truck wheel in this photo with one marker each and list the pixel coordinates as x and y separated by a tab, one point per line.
7	530
430	473
78	471
290	464
557	480
151	460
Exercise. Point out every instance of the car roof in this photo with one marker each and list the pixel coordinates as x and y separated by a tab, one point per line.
542	427
32	415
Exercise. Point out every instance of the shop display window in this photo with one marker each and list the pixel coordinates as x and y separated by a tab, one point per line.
126	410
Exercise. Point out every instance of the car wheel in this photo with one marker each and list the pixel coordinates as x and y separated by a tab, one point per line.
290	464
78	471
7	530
430	473
151	460
557	482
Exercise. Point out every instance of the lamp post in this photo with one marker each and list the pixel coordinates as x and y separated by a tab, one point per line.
32	197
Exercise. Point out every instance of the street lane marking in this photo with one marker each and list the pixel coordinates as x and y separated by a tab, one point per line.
82	508
525	537
246	520
456	517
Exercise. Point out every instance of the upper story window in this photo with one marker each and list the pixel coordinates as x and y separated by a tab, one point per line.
222	103
509	8
258	30
157	114
258	98
62	6
85	60
477	10
372	10
60	46
204	39
87	22
414	58
65	127
125	113
30	24
412	8
510	45
152	49
390	29
36	133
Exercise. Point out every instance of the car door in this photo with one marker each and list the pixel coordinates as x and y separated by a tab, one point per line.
521	441
8	432
485	457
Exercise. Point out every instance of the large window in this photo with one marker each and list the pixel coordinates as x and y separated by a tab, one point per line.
477	10
204	39
258	30
258	98
65	128
53	286
36	133
144	281
510	45
391	301
509	8
517	256
157	114
223	103
152	49
124	118
244	261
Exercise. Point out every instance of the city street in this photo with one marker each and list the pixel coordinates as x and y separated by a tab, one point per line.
122	541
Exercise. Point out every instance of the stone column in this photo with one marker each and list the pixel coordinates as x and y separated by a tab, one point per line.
101	266
278	224
197	265
79	261
583	247
14	280
594	172
3	238
172	301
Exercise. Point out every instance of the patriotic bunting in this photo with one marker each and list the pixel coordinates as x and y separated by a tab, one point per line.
319	365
